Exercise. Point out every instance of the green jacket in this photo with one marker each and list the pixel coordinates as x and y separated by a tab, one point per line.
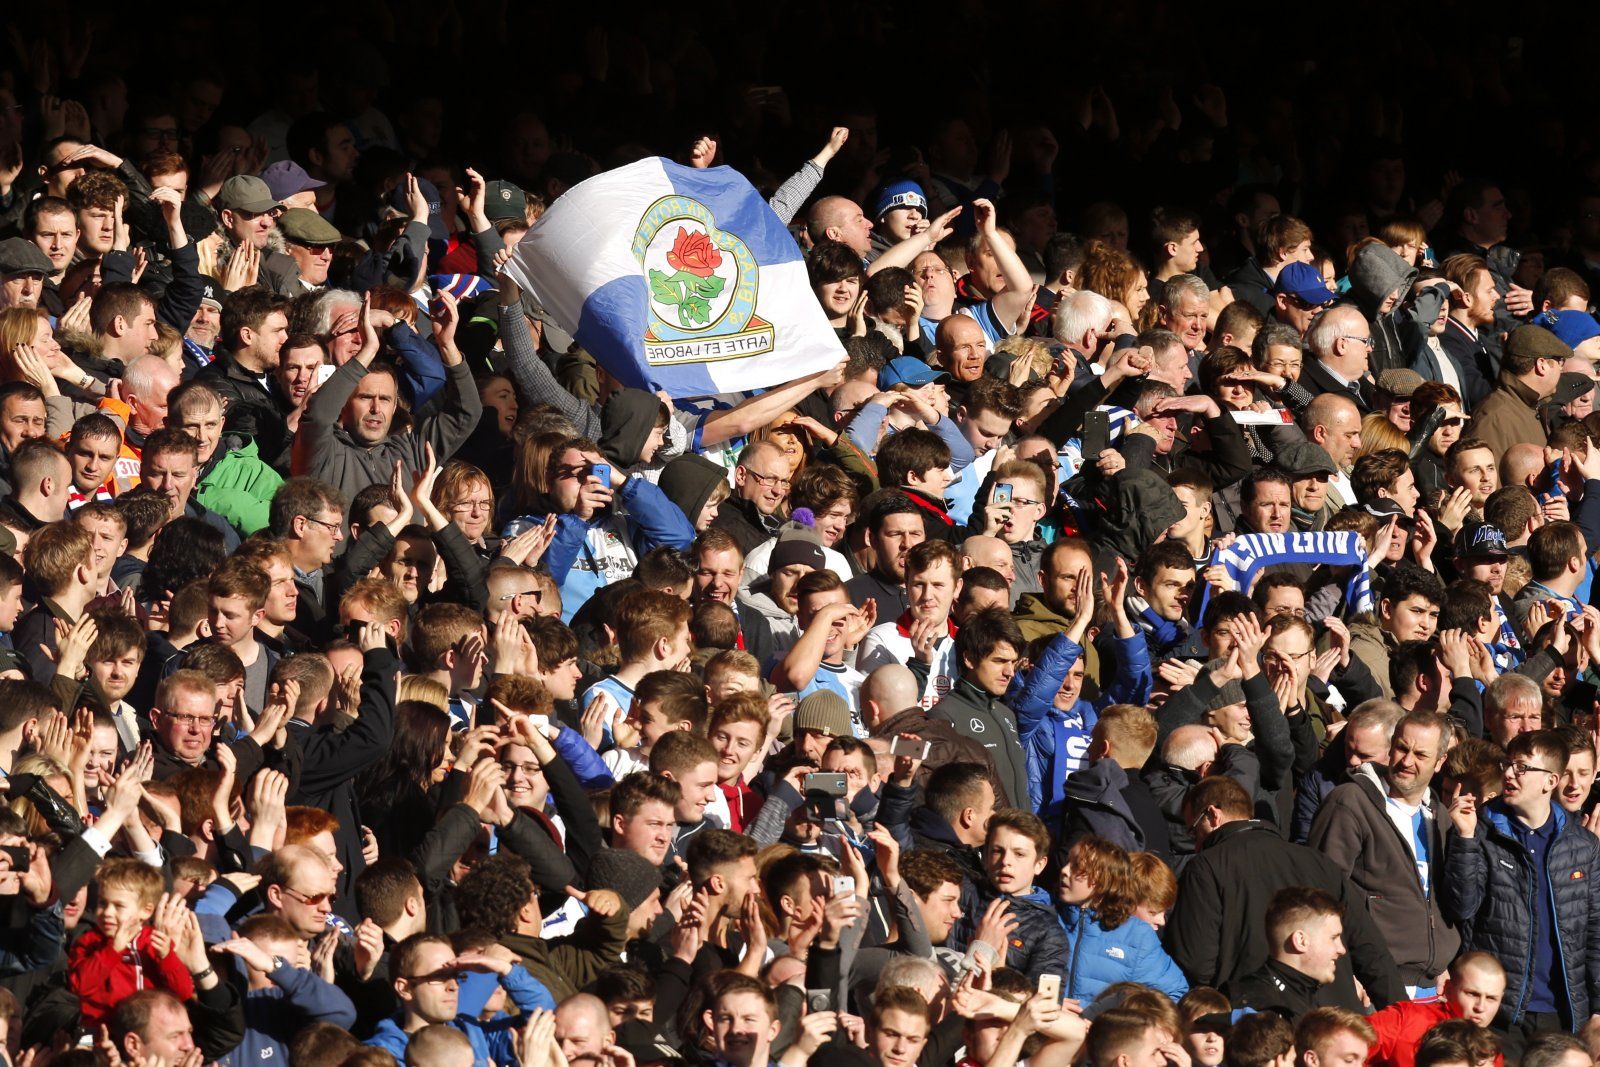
569	963
238	486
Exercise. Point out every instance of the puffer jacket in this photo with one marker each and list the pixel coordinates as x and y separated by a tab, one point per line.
1129	953
1039	942
1489	885
1056	741
1354	830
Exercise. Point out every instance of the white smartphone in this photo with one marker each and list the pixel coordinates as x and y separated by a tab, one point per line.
904	746
844	885
1050	986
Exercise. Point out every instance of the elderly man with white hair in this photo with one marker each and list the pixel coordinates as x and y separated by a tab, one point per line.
1340	341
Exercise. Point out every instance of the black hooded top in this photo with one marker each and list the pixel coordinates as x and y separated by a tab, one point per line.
689	480
625	425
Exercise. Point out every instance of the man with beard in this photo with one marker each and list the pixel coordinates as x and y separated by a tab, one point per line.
718	564
894	528
1386	828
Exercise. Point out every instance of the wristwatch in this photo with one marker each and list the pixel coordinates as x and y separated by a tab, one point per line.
279	961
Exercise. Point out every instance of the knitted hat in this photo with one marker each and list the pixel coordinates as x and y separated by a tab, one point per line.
1572	327
797	543
629	874
1232	691
824	711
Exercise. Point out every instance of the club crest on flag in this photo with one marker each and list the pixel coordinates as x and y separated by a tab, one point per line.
703	287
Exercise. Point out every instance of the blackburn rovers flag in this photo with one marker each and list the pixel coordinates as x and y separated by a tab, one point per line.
677	279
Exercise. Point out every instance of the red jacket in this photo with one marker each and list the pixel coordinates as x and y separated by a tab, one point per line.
102	977
1400	1028
742	803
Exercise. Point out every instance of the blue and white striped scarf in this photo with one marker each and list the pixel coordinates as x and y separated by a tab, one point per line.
1248	553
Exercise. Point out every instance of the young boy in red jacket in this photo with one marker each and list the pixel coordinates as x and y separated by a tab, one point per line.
123	954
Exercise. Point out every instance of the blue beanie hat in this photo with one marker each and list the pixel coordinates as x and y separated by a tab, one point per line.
1573	327
903	193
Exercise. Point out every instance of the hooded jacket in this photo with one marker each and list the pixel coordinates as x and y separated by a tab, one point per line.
1055	740
689	480
238	486
1489	884
626	422
568	964
1130	952
1354	830
1399	337
1215	931
1139	506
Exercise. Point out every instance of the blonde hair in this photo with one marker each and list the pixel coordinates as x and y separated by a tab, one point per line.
1378	434
130	874
421	688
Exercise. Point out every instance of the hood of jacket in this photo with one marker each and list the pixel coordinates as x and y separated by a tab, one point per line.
1376	272
1100	783
1031	607
1138	507
688	482
625	425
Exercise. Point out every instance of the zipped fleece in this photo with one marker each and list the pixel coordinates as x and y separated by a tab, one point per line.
1354	830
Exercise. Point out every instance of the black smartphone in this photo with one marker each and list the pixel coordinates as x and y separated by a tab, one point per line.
19	856
1096	435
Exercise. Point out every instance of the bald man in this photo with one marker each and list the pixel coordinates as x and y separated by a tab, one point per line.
838	218
889	706
1333	421
583	1027
981	550
1187	755
1341	342
145	385
1522	464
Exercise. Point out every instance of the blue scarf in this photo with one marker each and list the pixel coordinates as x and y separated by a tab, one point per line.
1248	554
1166	632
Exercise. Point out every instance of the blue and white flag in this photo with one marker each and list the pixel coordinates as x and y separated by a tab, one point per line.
1250	552
677	279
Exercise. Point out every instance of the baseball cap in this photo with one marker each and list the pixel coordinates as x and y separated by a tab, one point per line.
399	201
305	227
909	370
1385	509
903	193
504	200
1481	540
1304	282
1399	382
286	177
244	192
1303	459
20	256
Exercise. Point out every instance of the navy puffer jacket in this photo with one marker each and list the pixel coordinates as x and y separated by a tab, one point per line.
1489	885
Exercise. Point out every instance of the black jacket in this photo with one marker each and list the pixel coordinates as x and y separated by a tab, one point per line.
870	585
254	409
1489	884
330	761
1275	985
1215	932
1314	378
987	720
744	523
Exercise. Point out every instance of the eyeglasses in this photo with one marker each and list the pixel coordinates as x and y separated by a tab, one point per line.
334	528
769	481
465	506
532	770
311	900
1353	337
535	593
1520	769
206	721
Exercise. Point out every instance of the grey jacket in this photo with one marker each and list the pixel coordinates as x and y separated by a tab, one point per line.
1354	830
324	449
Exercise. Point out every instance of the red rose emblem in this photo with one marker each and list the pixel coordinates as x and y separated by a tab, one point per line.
694	253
